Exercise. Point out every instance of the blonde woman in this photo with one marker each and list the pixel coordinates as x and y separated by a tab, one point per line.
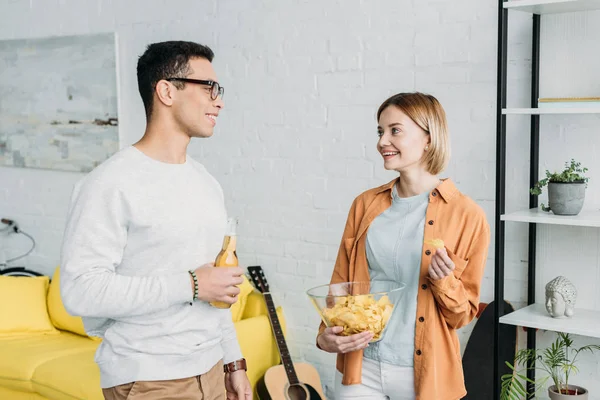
387	236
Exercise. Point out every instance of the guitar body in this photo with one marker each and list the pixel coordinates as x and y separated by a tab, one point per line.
275	386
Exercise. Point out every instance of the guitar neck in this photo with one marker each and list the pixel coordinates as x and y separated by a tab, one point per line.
286	359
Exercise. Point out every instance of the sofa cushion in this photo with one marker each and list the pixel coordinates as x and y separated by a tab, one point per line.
258	345
255	305
58	315
73	376
9	394
23	308
237	309
22	355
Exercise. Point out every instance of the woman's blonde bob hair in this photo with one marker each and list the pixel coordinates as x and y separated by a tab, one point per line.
427	112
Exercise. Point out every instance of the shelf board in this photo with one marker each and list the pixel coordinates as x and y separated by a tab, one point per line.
552	6
536	215
549	110
584	322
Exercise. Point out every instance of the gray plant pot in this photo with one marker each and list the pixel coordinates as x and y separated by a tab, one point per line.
582	394
566	198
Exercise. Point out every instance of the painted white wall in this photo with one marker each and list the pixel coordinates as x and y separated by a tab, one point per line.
296	141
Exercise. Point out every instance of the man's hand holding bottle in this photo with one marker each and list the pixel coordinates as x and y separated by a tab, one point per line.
218	284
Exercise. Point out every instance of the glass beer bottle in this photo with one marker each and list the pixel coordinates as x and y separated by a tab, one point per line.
227	257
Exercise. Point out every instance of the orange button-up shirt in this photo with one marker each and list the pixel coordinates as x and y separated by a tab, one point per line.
443	305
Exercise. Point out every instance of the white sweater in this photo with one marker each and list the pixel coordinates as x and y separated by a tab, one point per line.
134	229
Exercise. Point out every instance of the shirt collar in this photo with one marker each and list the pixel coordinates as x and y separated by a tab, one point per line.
446	189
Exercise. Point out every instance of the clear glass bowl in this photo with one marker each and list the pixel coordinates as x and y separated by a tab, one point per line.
358	306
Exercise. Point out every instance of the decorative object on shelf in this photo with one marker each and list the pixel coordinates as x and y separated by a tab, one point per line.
568	102
561	296
566	189
557	360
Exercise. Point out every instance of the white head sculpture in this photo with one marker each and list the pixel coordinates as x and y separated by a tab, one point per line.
560	297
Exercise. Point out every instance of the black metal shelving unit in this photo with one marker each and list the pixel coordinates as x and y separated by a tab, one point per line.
536	8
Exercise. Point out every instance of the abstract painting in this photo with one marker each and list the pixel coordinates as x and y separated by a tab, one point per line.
58	102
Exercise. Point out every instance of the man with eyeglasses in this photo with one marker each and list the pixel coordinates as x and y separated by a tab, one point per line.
141	232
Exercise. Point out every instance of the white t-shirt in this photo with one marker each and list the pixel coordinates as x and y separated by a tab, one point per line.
394	246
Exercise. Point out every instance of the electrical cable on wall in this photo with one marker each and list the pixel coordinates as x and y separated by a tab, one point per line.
4	263
28	252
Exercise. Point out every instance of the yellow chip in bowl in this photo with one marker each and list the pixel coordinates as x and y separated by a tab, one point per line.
360	313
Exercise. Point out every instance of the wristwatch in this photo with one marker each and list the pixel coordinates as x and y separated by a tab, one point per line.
235	366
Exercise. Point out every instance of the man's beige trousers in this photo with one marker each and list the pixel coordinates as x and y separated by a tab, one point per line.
208	386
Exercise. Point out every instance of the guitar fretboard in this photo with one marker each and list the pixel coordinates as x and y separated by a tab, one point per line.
286	359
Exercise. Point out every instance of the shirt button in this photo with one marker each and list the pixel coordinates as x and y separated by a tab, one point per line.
421	319
430	222
418	352
428	252
424	286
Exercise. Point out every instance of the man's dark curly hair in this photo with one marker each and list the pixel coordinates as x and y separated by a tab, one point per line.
166	60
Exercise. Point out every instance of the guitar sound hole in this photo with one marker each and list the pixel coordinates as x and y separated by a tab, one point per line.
297	392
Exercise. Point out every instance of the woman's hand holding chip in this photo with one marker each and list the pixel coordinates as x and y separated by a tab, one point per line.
441	265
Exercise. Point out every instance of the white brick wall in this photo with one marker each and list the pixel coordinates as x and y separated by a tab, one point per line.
296	141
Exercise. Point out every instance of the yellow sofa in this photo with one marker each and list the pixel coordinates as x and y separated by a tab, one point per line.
45	353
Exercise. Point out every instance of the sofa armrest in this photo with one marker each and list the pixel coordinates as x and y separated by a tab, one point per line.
258	345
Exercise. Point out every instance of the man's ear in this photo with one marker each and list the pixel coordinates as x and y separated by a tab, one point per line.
165	92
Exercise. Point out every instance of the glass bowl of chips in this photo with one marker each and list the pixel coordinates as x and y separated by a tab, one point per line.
358	306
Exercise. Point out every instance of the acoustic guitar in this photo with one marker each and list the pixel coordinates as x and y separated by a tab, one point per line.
289	380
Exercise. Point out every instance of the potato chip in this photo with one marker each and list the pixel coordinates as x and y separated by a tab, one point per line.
437	243
360	313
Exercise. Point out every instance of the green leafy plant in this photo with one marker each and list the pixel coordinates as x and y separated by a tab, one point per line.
573	173
558	361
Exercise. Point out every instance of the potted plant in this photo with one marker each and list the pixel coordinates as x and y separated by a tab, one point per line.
566	189
558	361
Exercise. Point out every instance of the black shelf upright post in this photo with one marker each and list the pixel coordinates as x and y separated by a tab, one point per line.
501	185
500	189
534	158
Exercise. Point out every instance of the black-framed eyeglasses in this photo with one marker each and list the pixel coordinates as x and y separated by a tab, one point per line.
216	90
